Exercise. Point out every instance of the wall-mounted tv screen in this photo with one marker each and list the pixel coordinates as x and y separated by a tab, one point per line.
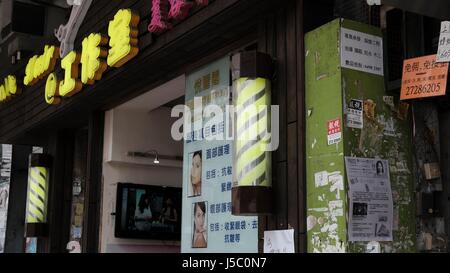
148	212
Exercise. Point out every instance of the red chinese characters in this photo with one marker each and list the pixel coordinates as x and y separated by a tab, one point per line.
159	22
165	10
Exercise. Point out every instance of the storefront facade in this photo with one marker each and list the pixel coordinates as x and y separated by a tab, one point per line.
90	137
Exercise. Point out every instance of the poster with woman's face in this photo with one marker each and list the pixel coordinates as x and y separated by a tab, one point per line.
199	225
195	185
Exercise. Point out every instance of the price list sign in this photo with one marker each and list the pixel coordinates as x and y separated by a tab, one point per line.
423	77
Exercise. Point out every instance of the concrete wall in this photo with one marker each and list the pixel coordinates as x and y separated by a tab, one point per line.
138	131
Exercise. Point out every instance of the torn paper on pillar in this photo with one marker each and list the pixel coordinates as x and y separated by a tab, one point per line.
443	54
279	241
371	204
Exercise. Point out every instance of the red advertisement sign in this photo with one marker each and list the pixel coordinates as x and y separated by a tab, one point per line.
334	131
423	77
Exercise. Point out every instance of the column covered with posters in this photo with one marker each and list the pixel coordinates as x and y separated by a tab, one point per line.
359	170
207	222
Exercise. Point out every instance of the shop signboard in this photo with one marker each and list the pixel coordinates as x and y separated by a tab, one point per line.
99	51
423	77
207	223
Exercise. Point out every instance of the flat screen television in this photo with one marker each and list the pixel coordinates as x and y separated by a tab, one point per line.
148	212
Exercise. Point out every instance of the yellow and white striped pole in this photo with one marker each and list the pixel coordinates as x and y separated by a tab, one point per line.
251	194
253	108
38	175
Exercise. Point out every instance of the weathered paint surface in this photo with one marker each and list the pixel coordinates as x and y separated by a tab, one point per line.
329	88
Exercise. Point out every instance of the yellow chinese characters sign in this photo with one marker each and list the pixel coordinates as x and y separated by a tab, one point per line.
123	32
95	57
93	62
70	85
423	77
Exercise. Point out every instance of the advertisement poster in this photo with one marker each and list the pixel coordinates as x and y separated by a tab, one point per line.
361	51
207	223
355	114
334	131
423	77
5	171
371	205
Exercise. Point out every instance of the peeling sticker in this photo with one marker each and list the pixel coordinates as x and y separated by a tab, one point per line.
333	227
311	222
402	166
321	221
337	183
314	144
319	210
324	228
389	100
369	109
389	128
321	179
373	247
338	248
336	208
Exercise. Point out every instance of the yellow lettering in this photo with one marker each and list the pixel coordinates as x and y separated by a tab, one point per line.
11	85
40	66
93	62
123	34
70	85
29	72
52	90
9	88
2	93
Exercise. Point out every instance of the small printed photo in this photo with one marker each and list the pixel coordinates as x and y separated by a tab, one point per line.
360	209
382	230
199	225
195	174
380	168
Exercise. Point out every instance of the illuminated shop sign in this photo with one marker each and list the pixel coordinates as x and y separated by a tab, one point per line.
98	52
165	10
95	58
39	66
8	88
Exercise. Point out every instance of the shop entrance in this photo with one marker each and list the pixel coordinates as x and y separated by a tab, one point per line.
142	174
